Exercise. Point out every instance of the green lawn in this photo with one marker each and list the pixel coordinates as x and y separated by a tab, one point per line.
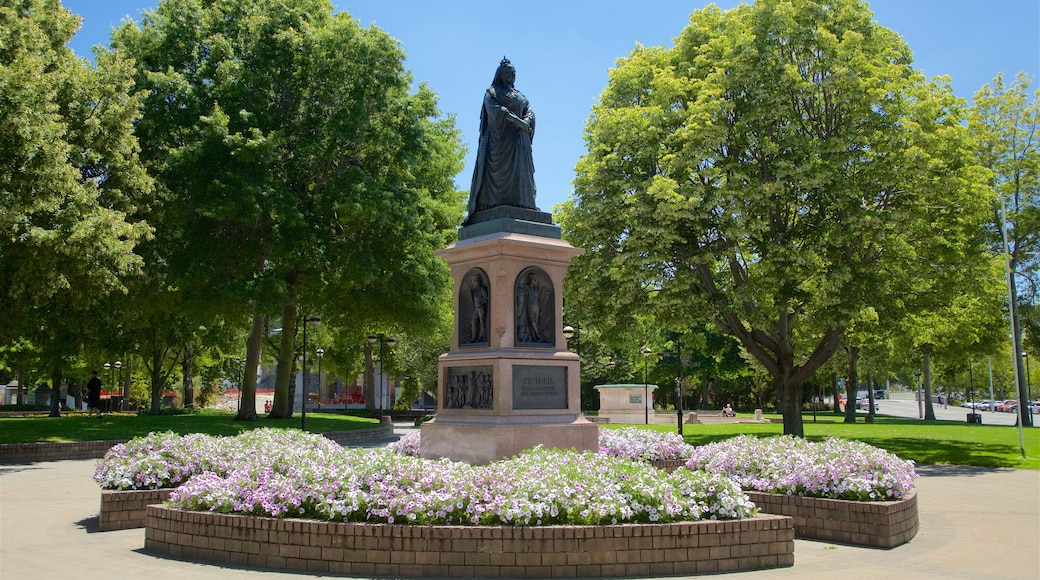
940	442
117	426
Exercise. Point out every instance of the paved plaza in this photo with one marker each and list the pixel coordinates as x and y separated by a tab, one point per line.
975	523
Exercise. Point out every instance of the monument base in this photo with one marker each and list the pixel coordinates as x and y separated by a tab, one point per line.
478	442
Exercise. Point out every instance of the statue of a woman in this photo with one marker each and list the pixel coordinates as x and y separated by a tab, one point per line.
504	170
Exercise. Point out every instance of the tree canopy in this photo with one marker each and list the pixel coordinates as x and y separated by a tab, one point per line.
71	170
780	170
300	171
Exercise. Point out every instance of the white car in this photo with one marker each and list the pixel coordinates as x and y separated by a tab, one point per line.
864	405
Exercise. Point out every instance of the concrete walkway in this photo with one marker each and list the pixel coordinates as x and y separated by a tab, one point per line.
975	523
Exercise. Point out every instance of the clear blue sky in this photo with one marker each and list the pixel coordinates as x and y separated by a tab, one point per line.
562	50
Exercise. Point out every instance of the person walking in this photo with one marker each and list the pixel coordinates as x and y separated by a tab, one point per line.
94	395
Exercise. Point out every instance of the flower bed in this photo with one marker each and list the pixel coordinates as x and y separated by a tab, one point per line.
765	541
835	490
279	473
833	469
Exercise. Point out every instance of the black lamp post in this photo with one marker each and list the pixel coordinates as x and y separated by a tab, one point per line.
118	389
303	409
646	388
108	377
383	340
321	353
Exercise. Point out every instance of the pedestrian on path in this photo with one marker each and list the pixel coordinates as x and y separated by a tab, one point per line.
94	395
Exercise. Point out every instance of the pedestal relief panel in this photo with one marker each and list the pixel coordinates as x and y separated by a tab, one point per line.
509	383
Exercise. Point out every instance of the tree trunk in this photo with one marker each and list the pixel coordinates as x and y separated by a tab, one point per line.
247	406
929	411
870	397
837	395
56	389
852	384
282	407
157	382
77	389
187	363
791	406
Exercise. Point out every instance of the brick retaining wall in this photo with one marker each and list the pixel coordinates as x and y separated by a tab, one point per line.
875	524
122	510
51	451
766	541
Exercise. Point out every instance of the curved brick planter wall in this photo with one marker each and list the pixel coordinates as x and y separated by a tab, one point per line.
876	524
766	541
33	452
122	510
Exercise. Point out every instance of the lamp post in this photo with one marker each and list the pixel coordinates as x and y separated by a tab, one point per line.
241	379
646	388
383	340
570	332
108	377
678	382
303	407
321	353
920	403
119	389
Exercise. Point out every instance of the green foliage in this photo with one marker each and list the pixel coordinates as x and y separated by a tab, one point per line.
67	194
300	173
779	171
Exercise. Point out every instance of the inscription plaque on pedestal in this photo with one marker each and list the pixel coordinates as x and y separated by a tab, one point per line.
538	387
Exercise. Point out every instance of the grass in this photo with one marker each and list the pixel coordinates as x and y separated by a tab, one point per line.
927	443
78	427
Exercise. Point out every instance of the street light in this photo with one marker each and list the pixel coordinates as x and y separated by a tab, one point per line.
920	403
570	332
383	340
321	352
646	388
119	390
303	410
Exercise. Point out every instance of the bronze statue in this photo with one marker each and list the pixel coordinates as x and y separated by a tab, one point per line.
504	171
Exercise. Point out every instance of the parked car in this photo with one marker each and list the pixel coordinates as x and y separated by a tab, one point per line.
879	394
1002	406
1034	407
864	405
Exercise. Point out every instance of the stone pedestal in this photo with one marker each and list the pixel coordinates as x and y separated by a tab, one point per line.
509	383
629	403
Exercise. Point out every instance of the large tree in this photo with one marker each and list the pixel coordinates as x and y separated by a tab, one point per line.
779	170
1005	120
310	178
70	172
